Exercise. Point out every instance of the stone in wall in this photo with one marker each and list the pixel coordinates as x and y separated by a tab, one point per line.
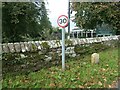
5	48
31	46
115	37
58	43
73	55
82	41
40	42
95	40
110	38
11	47
90	40
26	46
38	45
74	41
55	44
104	38
17	47
51	44
69	50
22	47
48	58
98	39
87	40
79	41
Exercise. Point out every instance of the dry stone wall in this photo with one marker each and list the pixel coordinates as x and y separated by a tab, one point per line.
34	55
32	46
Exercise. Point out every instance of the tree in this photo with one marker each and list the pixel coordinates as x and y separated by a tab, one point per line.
23	20
91	14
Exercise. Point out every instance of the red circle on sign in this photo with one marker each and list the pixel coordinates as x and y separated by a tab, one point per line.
66	24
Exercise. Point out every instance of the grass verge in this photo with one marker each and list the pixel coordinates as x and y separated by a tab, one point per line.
79	73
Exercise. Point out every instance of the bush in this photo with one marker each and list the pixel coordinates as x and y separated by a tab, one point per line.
89	49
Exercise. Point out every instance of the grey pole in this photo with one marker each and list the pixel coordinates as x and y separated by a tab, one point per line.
68	19
63	49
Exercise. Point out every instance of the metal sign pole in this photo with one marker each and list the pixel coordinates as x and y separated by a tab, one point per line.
63	49
63	22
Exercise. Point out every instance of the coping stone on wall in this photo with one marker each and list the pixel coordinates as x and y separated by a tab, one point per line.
22	47
26	44
5	48
75	41
55	44
40	42
58	43
17	47
51	44
87	40
84	40
30	46
92	40
38	45
11	47
103	39
79	41
110	38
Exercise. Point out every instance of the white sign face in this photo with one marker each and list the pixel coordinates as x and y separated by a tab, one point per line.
62	21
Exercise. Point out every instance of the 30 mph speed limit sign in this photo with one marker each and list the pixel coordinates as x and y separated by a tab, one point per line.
62	21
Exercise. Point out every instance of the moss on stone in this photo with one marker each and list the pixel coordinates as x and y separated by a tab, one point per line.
68	42
34	47
45	45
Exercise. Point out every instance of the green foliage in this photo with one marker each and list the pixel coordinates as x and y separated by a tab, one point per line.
91	48
91	14
23	20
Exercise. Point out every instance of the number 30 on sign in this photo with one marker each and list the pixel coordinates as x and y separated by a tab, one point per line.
62	21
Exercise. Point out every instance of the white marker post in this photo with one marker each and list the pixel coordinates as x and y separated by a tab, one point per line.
63	22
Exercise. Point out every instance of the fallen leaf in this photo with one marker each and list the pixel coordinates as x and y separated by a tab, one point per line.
103	69
52	84
105	79
109	86
100	83
81	86
107	65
